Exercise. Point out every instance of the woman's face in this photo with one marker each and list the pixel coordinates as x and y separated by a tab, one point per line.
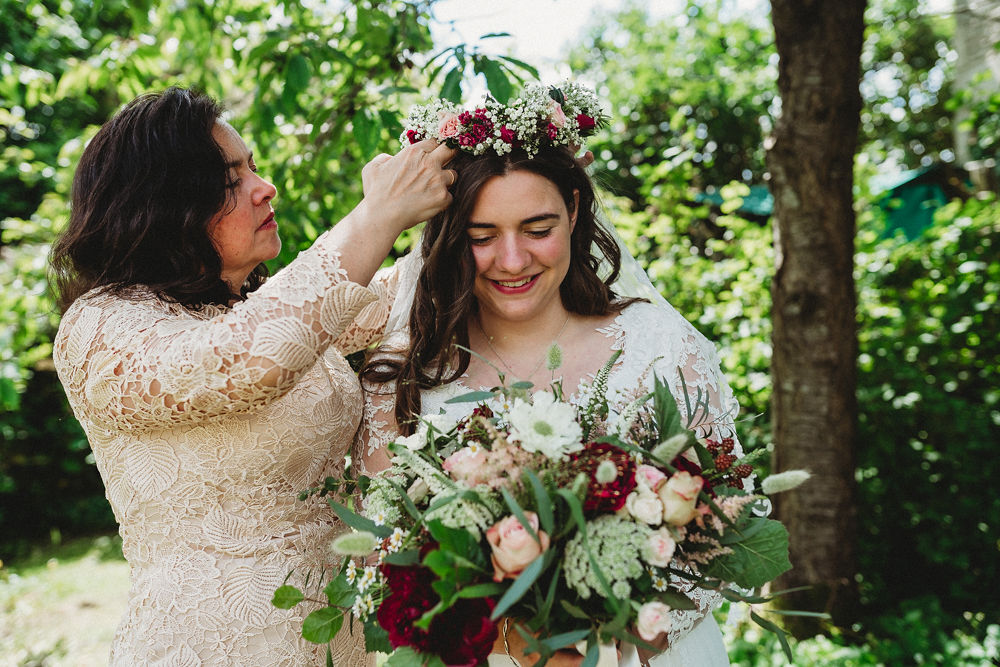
519	230
245	232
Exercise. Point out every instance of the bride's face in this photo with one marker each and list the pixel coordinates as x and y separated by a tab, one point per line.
519	230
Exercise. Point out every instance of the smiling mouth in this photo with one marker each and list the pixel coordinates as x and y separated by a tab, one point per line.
514	283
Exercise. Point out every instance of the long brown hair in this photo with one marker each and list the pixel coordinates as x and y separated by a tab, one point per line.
146	190
444	300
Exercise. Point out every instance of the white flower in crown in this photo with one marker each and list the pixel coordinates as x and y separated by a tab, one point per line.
542	116
545	425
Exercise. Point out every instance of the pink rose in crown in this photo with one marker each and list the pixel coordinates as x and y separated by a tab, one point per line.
556	115
449	125
513	546
507	135
654	619
464	463
679	495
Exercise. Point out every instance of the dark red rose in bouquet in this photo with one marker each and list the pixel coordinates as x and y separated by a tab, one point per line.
462	636
609	496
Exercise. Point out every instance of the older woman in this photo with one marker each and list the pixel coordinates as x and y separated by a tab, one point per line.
211	397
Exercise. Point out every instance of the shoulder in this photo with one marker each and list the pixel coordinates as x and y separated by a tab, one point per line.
657	333
101	317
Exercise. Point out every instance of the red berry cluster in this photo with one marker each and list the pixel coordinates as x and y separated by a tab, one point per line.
725	446
724	459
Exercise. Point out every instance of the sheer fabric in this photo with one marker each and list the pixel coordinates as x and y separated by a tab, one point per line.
654	339
205	426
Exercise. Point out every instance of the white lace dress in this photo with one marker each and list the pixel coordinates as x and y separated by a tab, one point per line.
653	338
205	425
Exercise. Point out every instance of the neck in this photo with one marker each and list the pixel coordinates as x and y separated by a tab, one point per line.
524	335
519	349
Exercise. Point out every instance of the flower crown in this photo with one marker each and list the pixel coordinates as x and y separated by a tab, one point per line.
542	116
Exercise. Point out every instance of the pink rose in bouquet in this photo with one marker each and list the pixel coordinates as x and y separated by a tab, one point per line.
465	463
654	619
514	547
651	475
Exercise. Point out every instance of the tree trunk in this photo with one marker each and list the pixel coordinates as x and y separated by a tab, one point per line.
814	409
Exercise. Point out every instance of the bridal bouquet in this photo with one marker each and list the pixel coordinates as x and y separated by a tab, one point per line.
582	524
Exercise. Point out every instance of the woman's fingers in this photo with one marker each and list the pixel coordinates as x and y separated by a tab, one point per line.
412	185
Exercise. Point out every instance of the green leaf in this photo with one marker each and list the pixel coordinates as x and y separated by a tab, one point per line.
481	590
544	504
496	80
404	558
516	510
339	592
531	69
452	88
782	639
471	397
573	610
757	559
668	417
404	656
297	73
459	543
322	625
556	642
356	521
675	600
519	587
376	637
366	130
287	597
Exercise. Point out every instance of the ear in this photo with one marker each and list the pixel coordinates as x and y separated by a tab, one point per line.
576	208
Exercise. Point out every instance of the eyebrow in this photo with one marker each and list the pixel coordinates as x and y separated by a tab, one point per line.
527	221
238	163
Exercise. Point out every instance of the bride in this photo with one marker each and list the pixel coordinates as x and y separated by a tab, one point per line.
517	263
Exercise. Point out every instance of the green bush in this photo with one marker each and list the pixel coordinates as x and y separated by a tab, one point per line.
927	384
929	418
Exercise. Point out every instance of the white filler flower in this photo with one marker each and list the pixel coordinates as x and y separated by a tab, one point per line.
545	425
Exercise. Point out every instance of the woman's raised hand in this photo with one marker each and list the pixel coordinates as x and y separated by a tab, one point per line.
410	186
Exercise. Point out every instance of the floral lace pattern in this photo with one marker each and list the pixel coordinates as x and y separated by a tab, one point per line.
653	339
205	424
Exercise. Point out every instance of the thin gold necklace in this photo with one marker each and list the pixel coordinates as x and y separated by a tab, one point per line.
489	341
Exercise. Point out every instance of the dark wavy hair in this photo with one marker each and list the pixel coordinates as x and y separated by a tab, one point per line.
146	190
444	300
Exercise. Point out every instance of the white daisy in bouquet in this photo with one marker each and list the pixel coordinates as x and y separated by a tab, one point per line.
584	524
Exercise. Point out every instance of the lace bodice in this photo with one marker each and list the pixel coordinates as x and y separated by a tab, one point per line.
205	425
654	338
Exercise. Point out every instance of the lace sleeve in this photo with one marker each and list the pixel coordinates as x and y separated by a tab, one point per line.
135	364
369	326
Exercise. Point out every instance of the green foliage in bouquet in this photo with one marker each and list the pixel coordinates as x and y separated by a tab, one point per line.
581	524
